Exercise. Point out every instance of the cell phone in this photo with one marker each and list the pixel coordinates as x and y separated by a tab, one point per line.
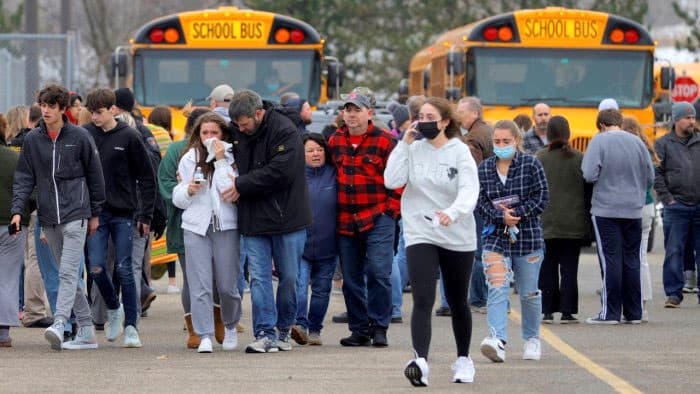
13	229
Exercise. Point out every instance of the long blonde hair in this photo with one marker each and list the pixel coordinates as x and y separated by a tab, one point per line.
17	118
631	125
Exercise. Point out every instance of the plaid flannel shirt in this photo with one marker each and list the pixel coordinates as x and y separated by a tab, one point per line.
532	142
362	196
526	179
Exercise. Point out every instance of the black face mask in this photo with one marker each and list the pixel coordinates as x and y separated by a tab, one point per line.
428	129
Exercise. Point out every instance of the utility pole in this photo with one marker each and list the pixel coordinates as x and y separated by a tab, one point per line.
31	72
65	26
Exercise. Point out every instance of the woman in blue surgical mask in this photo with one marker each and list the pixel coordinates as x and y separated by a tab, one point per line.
513	193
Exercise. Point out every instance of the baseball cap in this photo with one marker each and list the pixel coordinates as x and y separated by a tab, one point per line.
358	100
220	93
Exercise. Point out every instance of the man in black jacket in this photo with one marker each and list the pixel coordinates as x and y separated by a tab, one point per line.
125	167
62	162
273	212
677	186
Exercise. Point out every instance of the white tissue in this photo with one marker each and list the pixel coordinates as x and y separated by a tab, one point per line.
208	144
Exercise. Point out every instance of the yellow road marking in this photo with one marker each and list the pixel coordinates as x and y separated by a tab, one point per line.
617	383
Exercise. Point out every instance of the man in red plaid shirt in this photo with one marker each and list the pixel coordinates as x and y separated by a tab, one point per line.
367	214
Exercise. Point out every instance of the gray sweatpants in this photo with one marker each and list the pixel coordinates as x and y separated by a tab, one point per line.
214	256
67	242
11	259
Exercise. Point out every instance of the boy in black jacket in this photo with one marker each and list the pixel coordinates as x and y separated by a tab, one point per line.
61	161
124	162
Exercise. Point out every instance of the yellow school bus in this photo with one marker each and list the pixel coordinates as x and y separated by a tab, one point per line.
183	56
569	59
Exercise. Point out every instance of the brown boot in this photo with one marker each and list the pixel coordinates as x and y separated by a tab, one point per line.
192	339
218	325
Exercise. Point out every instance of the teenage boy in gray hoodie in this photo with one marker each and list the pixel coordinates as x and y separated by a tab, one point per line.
619	166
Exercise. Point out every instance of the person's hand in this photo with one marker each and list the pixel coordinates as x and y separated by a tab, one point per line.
218	148
444	218
508	217
231	195
42	237
17	222
144	229
93	224
179	178
193	188
410	134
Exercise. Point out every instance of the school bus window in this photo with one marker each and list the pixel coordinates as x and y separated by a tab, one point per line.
173	71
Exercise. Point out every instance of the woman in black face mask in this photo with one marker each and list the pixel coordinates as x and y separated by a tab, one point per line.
442	188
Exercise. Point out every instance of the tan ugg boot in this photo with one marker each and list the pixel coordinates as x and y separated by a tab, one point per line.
218	325
192	339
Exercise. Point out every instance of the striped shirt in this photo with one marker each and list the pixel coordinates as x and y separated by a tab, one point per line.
362	196
526	180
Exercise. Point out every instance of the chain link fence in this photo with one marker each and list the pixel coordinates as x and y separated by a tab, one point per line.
30	61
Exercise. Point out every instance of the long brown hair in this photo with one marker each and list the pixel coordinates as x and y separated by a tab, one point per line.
631	125
196	142
444	108
558	134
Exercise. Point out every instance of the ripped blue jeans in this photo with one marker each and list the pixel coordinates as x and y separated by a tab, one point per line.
499	271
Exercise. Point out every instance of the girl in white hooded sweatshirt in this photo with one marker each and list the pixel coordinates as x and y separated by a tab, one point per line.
442	187
210	229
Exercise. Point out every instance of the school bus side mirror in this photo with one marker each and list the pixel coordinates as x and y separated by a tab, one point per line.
403	87
119	64
455	61
335	73
453	93
668	76
662	111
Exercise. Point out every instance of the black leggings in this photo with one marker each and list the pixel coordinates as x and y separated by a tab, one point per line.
423	262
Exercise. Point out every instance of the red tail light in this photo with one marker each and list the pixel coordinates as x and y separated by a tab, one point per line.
156	36
298	36
490	34
631	36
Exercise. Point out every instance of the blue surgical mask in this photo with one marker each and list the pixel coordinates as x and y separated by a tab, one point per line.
273	87
505	152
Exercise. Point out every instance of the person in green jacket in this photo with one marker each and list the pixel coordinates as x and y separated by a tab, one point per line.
565	223
11	245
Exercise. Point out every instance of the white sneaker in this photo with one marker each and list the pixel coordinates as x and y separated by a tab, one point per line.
532	349
417	371
464	370
230	339
131	337
84	339
115	323
493	349
54	335
205	346
172	289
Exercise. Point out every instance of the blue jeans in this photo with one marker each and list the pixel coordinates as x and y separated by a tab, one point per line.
286	250
368	303
498	270
49	272
120	229
678	218
399	275
320	273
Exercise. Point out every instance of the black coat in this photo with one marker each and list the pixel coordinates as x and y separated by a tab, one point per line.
272	183
67	174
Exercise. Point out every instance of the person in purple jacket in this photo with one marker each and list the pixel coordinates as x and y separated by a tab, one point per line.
320	251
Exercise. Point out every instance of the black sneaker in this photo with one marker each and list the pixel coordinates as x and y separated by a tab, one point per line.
340	318
44	322
548	318
379	338
568	318
356	340
443	311
407	289
98	327
397	320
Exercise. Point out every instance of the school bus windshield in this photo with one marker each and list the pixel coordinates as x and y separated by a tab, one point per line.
561	77
173	77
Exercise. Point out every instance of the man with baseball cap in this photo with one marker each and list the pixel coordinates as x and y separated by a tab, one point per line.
677	186
219	100
367	214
